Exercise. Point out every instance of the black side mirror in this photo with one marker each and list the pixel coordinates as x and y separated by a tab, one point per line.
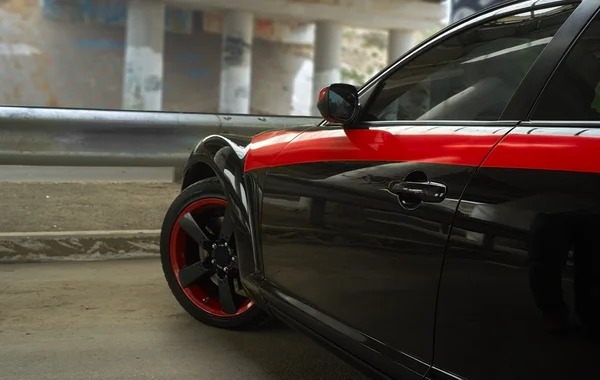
338	103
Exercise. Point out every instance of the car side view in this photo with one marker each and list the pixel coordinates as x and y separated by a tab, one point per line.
442	222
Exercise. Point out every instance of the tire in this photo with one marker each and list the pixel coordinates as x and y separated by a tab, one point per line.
206	201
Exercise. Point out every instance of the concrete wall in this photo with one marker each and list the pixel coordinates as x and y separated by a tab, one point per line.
72	64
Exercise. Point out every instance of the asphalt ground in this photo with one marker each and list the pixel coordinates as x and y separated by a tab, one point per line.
117	319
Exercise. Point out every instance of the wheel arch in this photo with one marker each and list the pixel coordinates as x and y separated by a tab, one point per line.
201	162
223	158
195	172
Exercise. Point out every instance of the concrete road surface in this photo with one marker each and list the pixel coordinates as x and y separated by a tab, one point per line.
117	320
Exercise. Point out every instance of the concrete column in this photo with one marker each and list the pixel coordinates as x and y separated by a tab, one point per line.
285	86
327	59
399	42
236	62
143	73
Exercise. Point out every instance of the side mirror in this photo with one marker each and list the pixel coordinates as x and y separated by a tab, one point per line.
338	103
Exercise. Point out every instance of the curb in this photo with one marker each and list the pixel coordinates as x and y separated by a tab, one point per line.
18	247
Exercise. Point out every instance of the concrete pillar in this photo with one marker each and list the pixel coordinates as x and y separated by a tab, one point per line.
285	86
143	73
399	42
236	62
327	59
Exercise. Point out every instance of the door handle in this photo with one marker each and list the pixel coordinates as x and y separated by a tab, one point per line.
427	191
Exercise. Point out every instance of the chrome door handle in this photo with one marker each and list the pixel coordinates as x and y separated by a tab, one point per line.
428	191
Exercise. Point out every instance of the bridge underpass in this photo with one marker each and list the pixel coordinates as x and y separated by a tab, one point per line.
267	56
271	55
316	23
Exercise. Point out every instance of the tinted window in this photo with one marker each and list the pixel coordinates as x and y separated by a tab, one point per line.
573	93
472	75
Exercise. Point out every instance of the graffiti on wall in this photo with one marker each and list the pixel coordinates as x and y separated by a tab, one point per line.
288	32
143	82
100	44
110	12
234	49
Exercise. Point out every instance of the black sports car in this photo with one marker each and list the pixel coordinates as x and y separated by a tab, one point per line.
439	223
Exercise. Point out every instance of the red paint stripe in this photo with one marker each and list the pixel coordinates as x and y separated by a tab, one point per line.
547	152
265	147
517	150
381	144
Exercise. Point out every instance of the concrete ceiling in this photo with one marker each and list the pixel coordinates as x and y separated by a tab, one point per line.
374	14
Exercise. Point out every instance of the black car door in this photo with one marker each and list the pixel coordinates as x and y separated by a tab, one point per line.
520	290
345	242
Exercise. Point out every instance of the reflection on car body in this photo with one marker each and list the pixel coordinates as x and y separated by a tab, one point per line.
441	223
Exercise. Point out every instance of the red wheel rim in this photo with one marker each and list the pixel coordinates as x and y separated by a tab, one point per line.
177	253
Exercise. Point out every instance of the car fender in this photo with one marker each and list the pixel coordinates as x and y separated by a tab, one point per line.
225	157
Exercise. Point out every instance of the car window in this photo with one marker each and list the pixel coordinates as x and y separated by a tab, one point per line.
471	75
573	92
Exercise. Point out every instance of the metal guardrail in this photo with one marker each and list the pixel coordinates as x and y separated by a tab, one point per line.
76	137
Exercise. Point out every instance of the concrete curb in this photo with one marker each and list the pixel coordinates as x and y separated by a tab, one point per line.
78	245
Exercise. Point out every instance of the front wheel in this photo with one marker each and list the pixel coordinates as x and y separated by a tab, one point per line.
199	259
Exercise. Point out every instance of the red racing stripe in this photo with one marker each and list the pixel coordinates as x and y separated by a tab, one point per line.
453	146
547	152
265	147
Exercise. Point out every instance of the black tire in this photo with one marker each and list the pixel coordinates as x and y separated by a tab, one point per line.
206	189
